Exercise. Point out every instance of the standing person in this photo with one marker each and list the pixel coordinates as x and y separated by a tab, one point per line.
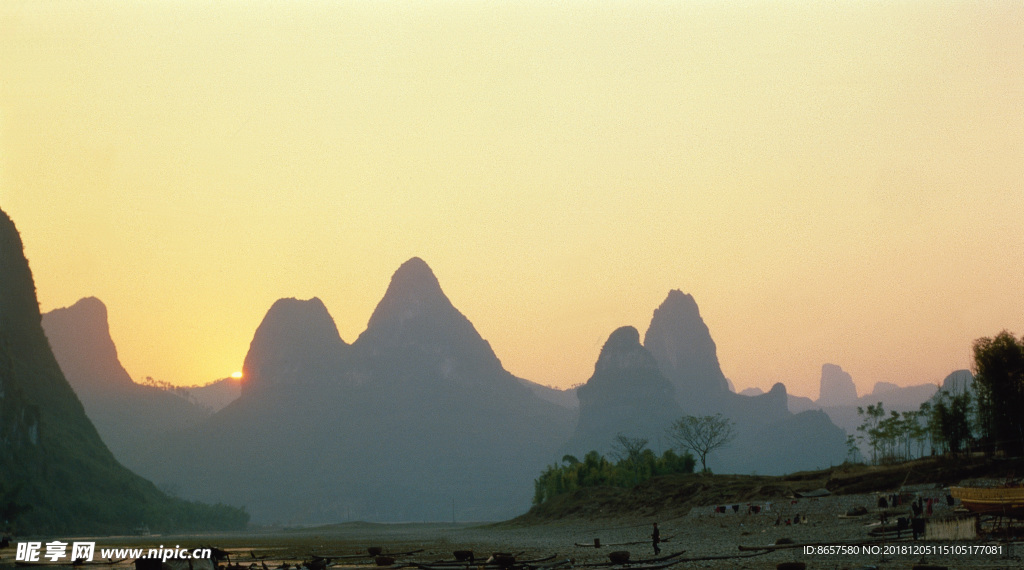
655	539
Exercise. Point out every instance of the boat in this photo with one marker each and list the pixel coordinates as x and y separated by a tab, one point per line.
640	563
1004	501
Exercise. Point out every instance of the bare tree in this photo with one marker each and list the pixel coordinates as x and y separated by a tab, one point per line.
629	450
702	435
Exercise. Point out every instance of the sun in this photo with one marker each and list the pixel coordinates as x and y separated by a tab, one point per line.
236	375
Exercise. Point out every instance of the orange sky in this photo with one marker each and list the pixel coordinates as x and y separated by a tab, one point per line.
833	181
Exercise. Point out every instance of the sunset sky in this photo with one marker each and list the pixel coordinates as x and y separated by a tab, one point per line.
835	182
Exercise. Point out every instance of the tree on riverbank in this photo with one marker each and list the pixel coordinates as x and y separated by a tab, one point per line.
999	388
702	435
595	470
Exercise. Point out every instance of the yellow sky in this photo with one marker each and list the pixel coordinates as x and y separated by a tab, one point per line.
833	181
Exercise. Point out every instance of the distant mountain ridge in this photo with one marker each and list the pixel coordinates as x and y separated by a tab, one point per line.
639	390
839	398
127	415
325	431
215	395
837	387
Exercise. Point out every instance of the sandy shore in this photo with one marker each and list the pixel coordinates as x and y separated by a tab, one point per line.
702	533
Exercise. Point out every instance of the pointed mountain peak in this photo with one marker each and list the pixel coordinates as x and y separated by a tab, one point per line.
626	394
416	316
19	308
681	308
623	336
413	291
623	350
684	301
836	387
81	341
90	306
296	342
681	343
414	300
86	311
414	275
289	313
88	316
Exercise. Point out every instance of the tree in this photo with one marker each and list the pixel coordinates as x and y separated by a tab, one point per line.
921	430
999	386
702	435
951	420
869	427
852	451
594	471
629	451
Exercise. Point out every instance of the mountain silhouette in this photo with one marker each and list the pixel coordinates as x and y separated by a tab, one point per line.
836	388
842	409
681	343
640	390
126	415
54	468
769	439
297	345
415	417
627	394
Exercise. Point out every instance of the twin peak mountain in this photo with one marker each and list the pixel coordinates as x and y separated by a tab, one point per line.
418	414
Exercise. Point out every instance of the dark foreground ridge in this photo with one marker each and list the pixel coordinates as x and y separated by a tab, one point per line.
674	495
56	475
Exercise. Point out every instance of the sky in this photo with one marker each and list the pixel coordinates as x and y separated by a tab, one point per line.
833	182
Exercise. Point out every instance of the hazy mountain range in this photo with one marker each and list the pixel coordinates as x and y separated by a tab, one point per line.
838	396
638	390
417	419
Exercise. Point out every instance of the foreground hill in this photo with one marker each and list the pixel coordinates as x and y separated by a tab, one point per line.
674	495
56	475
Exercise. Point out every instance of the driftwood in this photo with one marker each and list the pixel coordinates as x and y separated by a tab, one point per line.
330	557
481	561
659	566
637	566
643	561
597	543
502	562
498	560
720	557
550	565
645	566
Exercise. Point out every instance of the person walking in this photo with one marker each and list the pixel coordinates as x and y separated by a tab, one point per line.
655	539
